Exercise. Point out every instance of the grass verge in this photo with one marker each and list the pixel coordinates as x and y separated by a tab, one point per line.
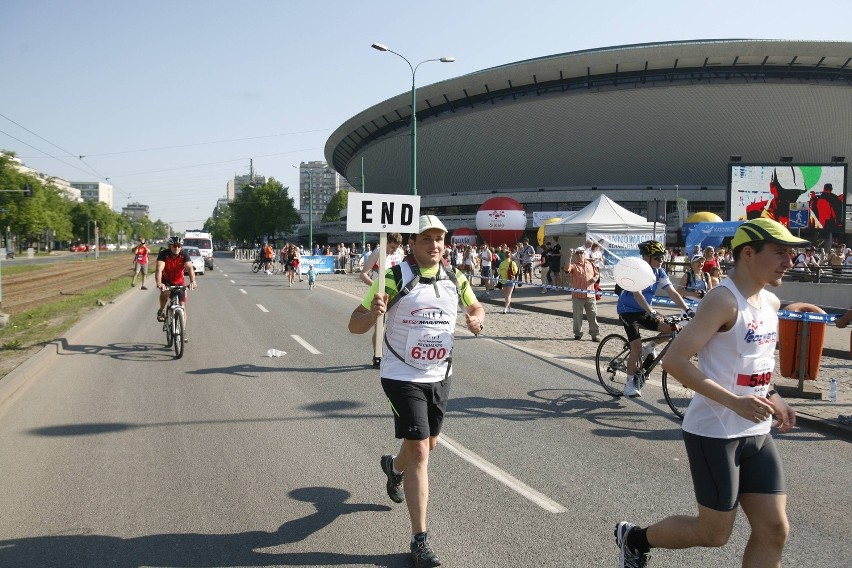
29	331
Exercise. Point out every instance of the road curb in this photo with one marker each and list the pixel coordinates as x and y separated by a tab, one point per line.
18	379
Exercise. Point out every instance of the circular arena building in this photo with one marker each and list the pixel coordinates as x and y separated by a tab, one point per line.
643	124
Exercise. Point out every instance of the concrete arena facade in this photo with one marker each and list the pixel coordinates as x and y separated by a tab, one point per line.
631	121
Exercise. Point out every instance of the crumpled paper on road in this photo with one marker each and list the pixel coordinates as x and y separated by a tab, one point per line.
275	353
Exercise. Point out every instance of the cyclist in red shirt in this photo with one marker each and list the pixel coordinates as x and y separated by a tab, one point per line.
171	264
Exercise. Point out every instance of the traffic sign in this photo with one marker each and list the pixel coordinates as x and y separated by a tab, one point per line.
799	214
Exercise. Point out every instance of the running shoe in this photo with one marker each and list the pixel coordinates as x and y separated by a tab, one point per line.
394	485
632	388
629	557
161	316
422	553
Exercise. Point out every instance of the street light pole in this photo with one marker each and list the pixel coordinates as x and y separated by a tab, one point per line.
413	68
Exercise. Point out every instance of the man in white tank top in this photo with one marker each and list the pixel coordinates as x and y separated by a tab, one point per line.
732	456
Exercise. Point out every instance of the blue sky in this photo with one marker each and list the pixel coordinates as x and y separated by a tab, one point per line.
170	99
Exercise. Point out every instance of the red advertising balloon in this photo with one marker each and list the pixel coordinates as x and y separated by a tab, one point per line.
501	220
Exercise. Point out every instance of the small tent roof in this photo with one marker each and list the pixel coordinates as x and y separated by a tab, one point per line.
602	215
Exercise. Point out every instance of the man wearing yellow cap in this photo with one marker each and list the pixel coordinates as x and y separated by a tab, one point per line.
732	457
421	297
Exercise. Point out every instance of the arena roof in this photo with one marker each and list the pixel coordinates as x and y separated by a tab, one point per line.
635	115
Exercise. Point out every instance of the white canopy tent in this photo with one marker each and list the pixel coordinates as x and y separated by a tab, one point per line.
606	222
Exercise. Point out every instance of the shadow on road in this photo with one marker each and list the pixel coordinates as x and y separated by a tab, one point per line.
197	550
124	351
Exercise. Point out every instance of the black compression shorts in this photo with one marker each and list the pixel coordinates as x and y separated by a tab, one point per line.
724	468
418	408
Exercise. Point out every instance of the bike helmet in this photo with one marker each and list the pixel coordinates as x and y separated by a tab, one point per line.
651	248
175	240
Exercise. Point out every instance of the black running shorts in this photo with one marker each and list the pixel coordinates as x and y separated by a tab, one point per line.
418	408
632	320
724	468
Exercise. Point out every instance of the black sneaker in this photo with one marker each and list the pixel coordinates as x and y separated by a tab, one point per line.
377	362
629	557
422	553
161	315
394	484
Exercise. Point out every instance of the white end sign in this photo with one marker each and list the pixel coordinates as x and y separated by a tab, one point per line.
382	213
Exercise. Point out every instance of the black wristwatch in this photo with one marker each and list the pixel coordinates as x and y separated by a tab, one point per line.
771	392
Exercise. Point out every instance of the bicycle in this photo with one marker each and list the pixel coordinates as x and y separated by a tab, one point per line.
611	364
175	321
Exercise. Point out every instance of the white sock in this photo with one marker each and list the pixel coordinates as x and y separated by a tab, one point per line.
393	466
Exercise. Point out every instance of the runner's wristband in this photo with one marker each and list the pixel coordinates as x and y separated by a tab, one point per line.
771	392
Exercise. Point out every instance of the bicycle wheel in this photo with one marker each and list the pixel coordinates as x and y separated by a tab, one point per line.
168	327
677	395
611	363
178	335
255	267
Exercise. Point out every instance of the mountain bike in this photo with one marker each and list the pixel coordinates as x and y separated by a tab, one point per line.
175	321
611	364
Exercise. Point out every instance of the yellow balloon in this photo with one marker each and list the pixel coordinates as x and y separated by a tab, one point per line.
541	229
704	217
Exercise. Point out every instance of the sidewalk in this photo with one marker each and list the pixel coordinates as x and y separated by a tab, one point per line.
814	413
542	322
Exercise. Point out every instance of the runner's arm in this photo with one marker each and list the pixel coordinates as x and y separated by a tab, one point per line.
368	267
363	318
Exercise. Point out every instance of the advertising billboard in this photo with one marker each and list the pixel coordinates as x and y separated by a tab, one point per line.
811	196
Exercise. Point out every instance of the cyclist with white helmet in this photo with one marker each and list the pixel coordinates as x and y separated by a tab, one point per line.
635	310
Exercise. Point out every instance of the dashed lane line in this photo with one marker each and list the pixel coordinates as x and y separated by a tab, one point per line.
306	345
264	310
243	291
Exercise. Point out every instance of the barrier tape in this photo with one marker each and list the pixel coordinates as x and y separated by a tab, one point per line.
782	314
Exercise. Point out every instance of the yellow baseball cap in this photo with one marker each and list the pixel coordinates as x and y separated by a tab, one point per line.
764	229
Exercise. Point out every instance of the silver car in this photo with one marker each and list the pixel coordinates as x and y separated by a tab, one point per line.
197	259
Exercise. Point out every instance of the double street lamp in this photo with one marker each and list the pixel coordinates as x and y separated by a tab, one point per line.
413	68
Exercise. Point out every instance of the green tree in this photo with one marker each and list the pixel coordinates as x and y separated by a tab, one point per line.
261	211
220	227
336	206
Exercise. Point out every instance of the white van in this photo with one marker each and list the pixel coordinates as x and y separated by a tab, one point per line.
204	242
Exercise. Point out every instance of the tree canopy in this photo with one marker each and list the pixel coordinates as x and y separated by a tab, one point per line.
337	204
34	210
261	211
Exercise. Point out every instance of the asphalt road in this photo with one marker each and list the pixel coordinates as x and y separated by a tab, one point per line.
116	454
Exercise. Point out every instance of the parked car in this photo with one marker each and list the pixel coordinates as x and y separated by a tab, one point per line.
78	248
197	259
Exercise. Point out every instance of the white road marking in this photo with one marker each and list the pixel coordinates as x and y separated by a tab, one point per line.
503	477
264	310
232	282
306	345
243	291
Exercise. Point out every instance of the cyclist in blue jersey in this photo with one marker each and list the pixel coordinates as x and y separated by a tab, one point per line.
635	310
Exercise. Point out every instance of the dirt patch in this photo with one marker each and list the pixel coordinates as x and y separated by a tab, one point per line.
29	290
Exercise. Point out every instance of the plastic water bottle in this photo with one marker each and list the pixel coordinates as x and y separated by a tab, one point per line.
832	390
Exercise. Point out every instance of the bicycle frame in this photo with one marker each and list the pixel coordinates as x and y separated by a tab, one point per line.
175	321
612	368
